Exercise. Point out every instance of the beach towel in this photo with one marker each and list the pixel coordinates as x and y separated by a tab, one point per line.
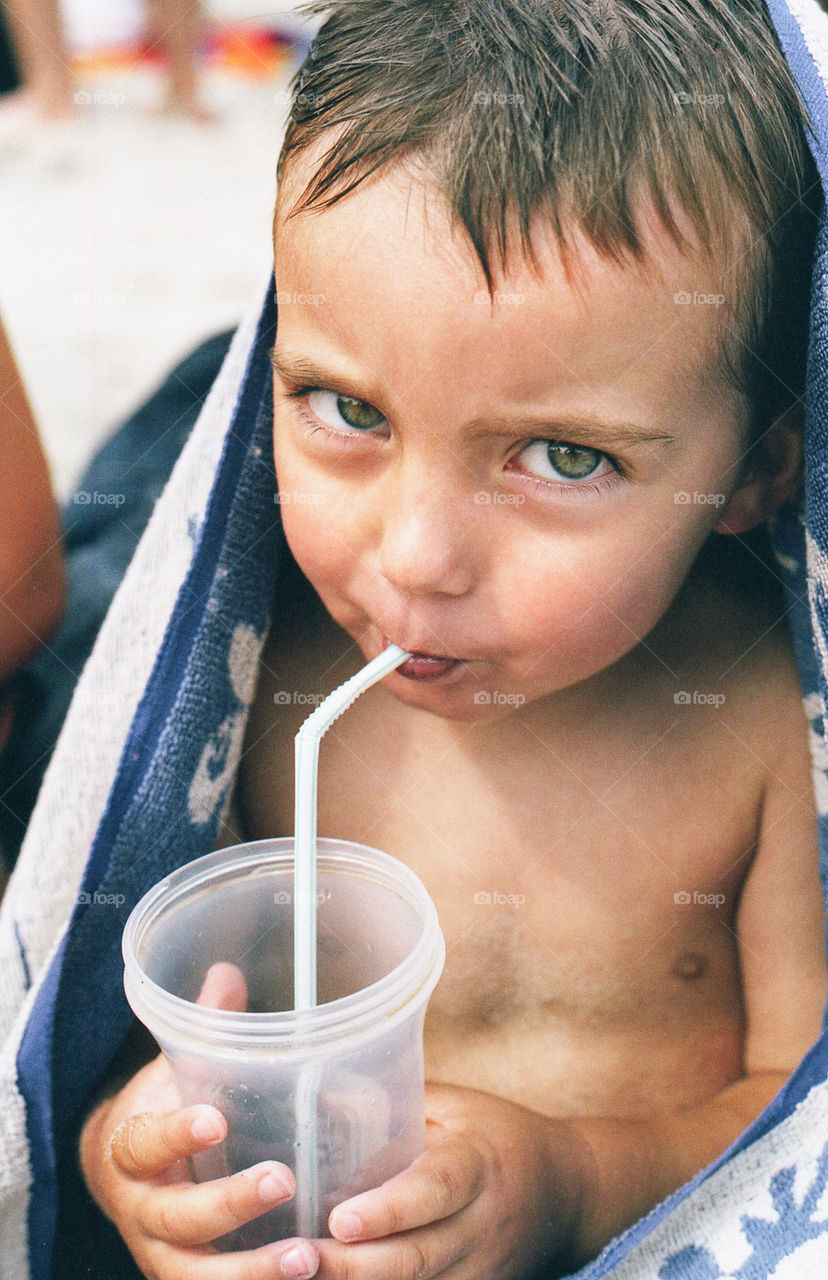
143	773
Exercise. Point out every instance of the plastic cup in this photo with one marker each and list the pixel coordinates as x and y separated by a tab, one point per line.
336	1092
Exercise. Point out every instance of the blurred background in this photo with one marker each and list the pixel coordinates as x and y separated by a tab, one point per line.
133	227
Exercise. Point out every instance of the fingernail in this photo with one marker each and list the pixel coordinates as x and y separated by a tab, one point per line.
272	1187
206	1129
300	1262
346	1225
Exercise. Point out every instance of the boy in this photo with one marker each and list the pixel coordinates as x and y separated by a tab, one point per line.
519	386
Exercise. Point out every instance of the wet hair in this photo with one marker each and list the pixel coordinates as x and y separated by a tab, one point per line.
586	111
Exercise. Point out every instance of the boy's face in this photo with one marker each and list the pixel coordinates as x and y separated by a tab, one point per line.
521	486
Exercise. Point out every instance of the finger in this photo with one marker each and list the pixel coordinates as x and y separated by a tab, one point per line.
189	1214
288	1259
224	987
439	1183
418	1255
144	1145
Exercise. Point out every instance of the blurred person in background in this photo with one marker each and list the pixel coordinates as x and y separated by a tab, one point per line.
46	92
32	575
43	64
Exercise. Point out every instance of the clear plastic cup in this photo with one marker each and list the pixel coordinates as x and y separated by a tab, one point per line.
335	1092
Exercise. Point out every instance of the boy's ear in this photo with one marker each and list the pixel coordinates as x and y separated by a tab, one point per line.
775	474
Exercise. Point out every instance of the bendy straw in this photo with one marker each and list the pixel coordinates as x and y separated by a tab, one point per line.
307	762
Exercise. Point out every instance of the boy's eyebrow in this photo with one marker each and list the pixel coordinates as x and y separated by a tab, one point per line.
299	368
586	429
583	428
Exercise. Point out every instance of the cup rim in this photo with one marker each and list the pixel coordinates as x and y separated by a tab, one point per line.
390	999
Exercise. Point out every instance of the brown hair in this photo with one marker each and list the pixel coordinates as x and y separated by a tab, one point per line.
581	109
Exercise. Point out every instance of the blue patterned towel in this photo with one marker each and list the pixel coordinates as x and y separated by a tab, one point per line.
142	775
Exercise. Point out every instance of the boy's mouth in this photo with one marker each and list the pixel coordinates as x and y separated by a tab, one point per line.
424	666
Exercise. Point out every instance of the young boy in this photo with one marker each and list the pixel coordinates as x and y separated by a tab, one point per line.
540	343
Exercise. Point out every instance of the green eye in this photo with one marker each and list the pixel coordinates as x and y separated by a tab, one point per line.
358	414
572	461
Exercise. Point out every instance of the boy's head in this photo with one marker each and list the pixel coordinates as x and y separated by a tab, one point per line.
586	111
608	206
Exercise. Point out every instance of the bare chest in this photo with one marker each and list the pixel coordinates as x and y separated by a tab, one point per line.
586	906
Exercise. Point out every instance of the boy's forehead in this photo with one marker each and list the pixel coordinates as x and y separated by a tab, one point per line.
401	202
405	201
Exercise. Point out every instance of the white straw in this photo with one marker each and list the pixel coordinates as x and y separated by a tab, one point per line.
307	761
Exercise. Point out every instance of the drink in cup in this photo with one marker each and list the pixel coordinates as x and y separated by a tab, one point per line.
335	1092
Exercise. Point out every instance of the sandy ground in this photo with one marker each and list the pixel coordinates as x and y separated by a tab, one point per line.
126	239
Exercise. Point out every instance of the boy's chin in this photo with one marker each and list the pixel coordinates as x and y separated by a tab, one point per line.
461	705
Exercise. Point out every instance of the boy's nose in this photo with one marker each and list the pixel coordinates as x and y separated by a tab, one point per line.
425	545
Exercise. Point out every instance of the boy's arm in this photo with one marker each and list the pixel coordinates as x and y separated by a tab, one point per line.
780	926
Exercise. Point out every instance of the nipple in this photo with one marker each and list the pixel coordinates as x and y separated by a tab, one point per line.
690	966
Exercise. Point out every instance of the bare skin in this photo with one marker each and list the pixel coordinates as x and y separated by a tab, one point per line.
45	63
32	573
627	883
31	548
178	28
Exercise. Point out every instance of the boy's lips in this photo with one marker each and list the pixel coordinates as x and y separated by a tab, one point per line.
424	666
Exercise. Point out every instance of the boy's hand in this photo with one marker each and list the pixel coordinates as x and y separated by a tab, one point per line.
134	1149
495	1196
